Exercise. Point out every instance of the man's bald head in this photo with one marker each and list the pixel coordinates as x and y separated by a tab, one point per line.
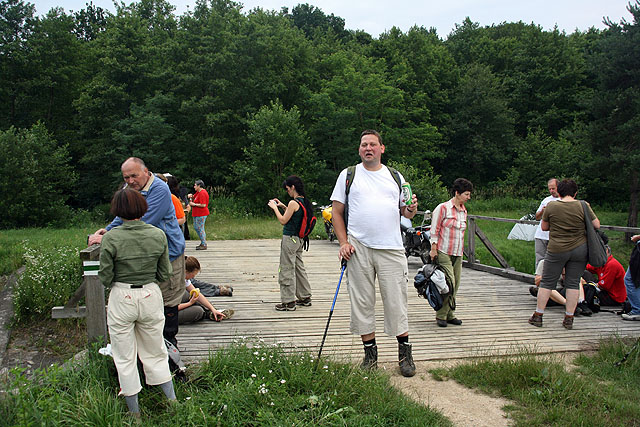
135	173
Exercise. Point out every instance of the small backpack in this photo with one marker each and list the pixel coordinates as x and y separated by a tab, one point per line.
306	227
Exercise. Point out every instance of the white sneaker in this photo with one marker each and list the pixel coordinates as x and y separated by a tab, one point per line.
627	316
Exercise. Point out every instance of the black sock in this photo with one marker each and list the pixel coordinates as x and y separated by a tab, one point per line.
369	343
403	340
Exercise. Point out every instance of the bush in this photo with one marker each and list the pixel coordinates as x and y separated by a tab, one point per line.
277	147
36	178
51	276
425	184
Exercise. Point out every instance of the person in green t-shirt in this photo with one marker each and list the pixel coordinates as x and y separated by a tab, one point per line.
292	277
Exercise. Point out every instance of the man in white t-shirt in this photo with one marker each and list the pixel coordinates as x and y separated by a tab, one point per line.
372	243
542	237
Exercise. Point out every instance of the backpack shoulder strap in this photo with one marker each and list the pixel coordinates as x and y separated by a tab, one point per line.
351	174
396	176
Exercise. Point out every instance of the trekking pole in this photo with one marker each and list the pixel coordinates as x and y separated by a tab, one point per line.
626	356
344	265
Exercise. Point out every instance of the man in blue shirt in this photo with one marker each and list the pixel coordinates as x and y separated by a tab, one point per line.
161	214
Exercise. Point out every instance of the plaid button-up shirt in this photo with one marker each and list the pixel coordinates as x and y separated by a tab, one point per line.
448	223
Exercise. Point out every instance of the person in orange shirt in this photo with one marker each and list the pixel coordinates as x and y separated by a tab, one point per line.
180	216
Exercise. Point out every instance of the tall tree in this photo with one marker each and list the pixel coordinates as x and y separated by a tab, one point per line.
16	25
278	148
615	130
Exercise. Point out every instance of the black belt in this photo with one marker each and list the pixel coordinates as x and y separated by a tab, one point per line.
137	286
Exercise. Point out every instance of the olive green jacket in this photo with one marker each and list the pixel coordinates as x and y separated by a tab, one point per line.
135	253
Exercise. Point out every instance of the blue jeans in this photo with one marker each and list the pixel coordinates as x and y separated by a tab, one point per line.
633	293
198	225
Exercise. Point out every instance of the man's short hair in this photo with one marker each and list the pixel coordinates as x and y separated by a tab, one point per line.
128	204
567	187
553	179
371	132
137	160
461	185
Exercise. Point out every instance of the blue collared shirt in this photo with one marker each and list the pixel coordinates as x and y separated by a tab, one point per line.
160	213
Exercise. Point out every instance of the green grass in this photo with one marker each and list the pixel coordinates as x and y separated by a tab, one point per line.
545	392
225	227
13	242
246	384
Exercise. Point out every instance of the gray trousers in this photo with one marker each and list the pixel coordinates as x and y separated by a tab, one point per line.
191	314
541	250
292	276
573	262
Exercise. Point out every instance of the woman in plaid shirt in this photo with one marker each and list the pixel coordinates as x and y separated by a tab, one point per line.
448	223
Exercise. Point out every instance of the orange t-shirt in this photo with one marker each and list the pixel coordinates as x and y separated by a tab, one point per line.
178	206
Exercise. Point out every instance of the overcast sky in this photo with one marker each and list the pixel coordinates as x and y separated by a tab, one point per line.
377	16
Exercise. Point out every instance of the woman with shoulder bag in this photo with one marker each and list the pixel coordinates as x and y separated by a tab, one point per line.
565	221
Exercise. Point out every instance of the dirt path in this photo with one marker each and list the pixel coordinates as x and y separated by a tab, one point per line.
463	406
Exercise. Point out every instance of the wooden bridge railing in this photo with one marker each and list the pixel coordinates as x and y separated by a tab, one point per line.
506	270
93	292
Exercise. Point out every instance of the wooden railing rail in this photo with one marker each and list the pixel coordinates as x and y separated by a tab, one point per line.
506	270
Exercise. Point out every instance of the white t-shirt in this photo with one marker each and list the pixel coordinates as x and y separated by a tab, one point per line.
374	216
187	283
544	235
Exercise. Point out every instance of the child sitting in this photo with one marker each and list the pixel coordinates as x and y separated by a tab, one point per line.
195	306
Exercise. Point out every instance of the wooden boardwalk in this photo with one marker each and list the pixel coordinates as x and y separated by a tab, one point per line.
494	311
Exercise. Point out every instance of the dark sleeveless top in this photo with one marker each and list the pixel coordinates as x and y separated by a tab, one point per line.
292	228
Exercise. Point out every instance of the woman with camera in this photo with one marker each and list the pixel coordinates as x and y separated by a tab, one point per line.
565	221
294	284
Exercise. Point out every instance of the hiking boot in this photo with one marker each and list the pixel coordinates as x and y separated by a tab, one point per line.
228	312
306	302
536	319
289	306
441	322
405	360
567	322
629	316
201	247
370	360
533	290
583	309
454	321
226	291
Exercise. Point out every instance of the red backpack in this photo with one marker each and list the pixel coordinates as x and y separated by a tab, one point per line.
306	227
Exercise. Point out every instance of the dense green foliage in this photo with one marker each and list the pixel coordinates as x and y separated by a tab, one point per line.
546	393
250	383
241	99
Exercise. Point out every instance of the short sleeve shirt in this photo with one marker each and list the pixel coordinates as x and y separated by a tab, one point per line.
541	234
374	207
566	225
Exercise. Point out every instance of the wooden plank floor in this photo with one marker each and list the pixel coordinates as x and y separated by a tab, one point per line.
494	311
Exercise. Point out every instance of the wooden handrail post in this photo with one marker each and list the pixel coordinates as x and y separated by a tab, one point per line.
471	258
94	295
